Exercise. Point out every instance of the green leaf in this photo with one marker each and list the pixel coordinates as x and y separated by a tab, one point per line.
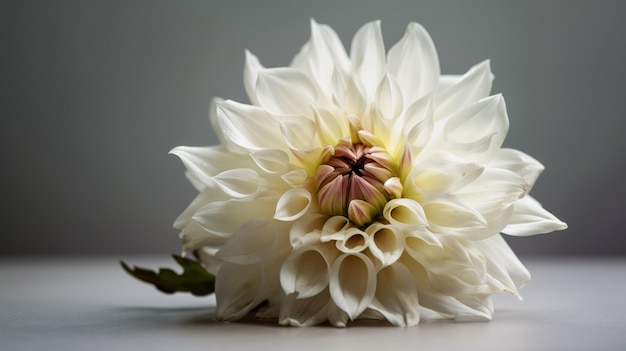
194	279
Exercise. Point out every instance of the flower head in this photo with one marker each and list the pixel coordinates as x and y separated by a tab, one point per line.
361	185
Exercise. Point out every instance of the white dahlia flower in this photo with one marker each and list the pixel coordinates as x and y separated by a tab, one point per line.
361	186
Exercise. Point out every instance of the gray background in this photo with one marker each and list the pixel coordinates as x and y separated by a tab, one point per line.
94	95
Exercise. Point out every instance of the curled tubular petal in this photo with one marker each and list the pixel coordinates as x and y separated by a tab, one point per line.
307	230
405	213
352	283
354	240
292	205
334	228
386	243
305	272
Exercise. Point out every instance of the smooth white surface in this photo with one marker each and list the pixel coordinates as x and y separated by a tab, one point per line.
91	304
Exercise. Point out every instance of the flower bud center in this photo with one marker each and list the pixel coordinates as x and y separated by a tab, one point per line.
355	172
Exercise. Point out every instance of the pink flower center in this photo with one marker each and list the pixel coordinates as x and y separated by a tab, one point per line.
352	182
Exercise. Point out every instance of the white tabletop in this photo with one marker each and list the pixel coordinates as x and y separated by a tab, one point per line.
91	304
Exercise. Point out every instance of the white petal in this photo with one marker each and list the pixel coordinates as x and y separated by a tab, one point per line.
206	255
304	312
250	76
497	219
249	127
292	205
452	212
224	217
333	43
294	178
446	305
352	283
205	162
336	316
520	163
334	228
482	308
354	240
405	213
442	173
193	236
449	259
417	239
285	91
330	127
204	197
389	98
446	81
396	296
195	182
271	160
483	121
239	183
451	308
298	132
414	63
307	230
386	243
305	272
471	87
213	119
348	92
530	218
502	264
238	289
368	56
496	188
301	60
315	60
323	51
253	242
418	123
